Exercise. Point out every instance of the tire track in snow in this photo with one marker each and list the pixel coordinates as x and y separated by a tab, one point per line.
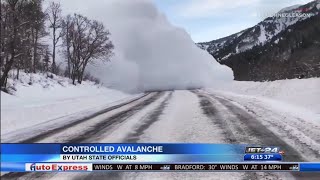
115	120
256	129
303	134
133	137
93	132
230	128
210	110
150	119
267	137
66	126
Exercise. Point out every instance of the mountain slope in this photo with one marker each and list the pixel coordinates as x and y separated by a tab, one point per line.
277	48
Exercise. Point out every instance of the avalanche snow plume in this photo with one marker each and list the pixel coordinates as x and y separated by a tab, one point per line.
150	53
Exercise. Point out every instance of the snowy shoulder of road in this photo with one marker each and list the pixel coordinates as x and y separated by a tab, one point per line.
299	97
38	99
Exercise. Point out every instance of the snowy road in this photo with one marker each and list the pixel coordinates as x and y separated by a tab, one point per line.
194	117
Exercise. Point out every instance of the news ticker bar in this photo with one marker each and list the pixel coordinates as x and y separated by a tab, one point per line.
84	167
196	167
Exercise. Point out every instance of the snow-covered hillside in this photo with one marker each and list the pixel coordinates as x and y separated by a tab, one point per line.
261	33
39	98
282	46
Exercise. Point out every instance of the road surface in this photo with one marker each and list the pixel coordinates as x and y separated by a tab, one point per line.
191	117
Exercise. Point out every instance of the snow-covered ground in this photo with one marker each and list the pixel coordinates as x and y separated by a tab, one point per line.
39	99
281	113
294	94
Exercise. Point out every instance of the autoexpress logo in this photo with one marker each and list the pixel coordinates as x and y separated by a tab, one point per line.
58	167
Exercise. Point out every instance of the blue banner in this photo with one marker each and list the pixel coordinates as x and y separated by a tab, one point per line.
262	157
310	167
122	149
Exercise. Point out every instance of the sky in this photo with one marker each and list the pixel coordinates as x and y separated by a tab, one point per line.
206	20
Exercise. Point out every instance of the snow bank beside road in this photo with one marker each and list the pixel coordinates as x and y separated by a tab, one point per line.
40	99
295	95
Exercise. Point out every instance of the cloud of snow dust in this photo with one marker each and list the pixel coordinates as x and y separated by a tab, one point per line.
150	53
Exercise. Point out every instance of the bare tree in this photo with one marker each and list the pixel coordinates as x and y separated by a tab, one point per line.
22	27
55	19
12	38
67	25
38	30
4	18
86	41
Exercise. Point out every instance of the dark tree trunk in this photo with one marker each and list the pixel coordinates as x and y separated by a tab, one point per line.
54	51
35	52
18	72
